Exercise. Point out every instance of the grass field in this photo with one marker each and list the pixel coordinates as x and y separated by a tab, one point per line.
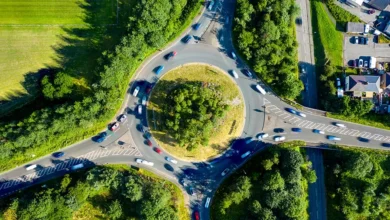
229	127
30	30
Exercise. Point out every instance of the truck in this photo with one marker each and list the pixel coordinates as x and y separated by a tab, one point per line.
372	63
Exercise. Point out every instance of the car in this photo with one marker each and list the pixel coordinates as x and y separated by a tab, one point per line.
366	63
187	38
191	191
145	162
299	21
366	40
139	109
211	4
136	90
301	114
245	154
302	68
147	135
353	62
207	204
171	55
386	144
101	137
158	150
333	138
318	131
233	55
361	40
122	118
235	75
279	138
196	215
249	140
356	40
278	130
114	126
291	110
149	88
260	89
371	11
340	125
362	139
262	136
58	154
225	171
360	63
149	143
31	167
159	69
296	129
197	26
171	160
144	100
248	73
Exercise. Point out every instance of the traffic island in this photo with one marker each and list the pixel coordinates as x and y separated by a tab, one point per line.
195	111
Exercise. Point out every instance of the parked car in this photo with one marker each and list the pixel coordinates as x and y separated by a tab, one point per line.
140	109
356	40
122	118
333	138
366	40
197	26
158	150
171	55
235	75
302	68
296	129
340	125
159	69
279	138
248	73
145	162
353	63
141	128
278	130
187	38
149	143
147	135
318	131
136	90
361	40
233	55
360	63
262	136
225	171
366	63
114	126
149	88
260	89
301	114
171	160
58	154
101	137
144	99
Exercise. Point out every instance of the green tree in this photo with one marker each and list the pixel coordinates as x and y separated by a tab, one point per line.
115	210
272	180
359	164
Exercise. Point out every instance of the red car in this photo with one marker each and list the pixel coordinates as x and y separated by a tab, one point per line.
114	126
158	150
149	143
196	215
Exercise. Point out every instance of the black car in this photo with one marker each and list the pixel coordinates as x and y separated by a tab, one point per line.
58	154
299	21
102	137
278	130
186	39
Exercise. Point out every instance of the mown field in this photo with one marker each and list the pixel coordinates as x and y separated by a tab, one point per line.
30	31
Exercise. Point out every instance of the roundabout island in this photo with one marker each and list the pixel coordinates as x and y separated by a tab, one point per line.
195	111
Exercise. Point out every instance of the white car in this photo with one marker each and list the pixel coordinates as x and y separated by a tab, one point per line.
122	118
171	160
144	100
318	131
135	92
262	136
145	162
279	138
340	125
235	75
225	172
140	109
261	90
301	114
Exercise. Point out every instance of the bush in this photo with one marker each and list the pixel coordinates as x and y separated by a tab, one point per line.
342	16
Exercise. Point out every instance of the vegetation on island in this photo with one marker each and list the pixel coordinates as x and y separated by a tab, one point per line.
265	36
69	113
357	183
271	185
112	192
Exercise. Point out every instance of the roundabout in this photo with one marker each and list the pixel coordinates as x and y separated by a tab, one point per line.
223	130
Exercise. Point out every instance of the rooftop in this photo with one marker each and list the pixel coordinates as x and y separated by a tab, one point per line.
362	83
353	27
379	4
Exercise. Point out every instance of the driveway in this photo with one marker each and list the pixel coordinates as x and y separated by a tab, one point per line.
360	12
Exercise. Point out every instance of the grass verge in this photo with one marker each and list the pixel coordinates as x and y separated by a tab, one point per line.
370	119
228	128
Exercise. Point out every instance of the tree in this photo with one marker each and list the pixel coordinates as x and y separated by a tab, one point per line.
133	189
115	210
272	180
359	164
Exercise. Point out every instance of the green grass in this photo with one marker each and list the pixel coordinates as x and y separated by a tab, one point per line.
330	38
382	39
30	31
228	128
370	119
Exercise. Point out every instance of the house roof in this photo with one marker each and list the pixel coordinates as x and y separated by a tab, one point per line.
379	4
386	80
356	2
362	83
353	27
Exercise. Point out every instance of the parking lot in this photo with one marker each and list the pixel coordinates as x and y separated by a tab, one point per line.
353	51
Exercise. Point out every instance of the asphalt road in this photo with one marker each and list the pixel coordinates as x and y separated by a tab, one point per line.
262	112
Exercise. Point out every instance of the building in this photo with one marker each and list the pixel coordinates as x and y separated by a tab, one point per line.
356	3
385	82
379	4
353	27
362	86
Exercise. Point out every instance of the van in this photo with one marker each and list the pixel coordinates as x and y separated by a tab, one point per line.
246	154
207	202
31	167
260	89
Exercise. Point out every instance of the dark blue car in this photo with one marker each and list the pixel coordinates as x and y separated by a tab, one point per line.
386	144
186	39
291	110
197	26
102	137
296	129
58	154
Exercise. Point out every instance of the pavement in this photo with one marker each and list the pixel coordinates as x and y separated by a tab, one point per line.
127	144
